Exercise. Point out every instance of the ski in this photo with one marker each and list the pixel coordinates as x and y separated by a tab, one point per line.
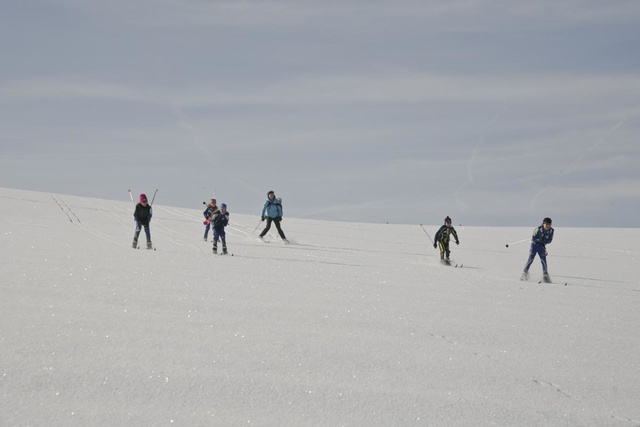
450	263
552	283
545	279
284	241
149	247
222	253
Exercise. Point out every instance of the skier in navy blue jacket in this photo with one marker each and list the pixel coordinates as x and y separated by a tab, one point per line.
272	212
542	236
142	217
219	220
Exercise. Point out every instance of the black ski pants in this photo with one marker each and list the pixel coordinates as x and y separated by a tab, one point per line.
276	221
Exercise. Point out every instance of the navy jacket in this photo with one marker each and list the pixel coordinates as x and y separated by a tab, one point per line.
219	219
444	233
209	211
143	214
541	236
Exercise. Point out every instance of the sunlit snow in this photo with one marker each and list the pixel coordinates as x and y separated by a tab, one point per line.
351	324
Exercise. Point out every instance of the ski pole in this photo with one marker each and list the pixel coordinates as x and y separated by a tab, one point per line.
205	194
254	230
154	197
425	232
515	243
131	196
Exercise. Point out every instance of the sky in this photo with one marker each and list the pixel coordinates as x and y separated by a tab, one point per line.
351	324
492	112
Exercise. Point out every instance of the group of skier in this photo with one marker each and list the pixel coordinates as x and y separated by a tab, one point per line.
217	218
541	237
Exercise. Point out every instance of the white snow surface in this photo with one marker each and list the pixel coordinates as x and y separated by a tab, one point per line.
351	324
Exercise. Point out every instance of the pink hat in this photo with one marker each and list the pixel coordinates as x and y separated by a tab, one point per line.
143	198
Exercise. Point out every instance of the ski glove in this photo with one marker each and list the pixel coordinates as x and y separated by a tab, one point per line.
435	245
279	219
262	218
457	242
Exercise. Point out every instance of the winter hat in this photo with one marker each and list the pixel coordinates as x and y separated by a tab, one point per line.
447	220
143	198
547	221
223	206
271	192
213	202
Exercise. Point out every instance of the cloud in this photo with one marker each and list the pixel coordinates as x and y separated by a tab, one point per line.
69	87
451	16
474	104
599	196
344	89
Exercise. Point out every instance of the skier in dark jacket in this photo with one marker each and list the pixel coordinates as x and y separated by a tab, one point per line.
208	213
272	212
442	238
542	236
142	217
219	220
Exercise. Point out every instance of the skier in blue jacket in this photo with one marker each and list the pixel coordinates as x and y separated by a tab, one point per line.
542	236
272	212
219	220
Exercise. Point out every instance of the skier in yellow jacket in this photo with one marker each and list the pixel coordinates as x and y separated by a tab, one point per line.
442	238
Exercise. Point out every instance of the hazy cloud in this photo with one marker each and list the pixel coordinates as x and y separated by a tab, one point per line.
490	110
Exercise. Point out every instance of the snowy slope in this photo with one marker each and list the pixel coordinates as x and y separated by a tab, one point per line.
351	324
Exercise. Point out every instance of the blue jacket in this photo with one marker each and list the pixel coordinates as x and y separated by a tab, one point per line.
272	208
219	219
541	236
